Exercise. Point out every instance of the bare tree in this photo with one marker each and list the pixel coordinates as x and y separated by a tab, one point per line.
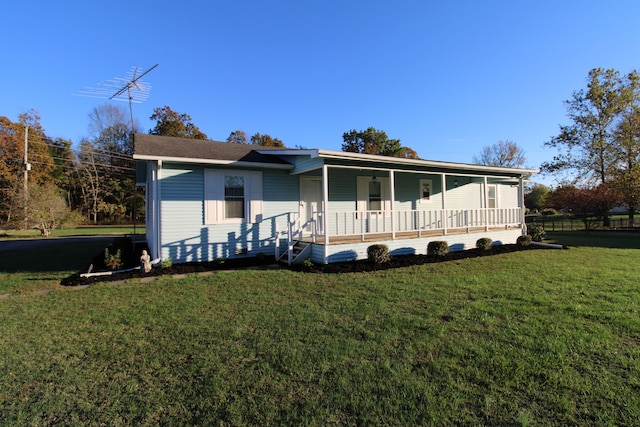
506	154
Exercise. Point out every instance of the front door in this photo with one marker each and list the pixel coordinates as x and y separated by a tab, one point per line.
310	205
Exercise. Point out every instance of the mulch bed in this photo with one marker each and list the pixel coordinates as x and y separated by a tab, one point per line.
339	267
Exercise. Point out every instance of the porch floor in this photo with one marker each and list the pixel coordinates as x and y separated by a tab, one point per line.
403	235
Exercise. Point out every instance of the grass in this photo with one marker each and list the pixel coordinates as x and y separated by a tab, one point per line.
544	337
77	231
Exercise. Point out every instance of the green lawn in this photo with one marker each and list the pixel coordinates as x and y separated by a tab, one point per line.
78	231
545	337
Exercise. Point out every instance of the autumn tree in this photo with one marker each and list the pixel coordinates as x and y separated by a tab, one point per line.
266	141
374	141
171	123
12	166
589	203
506	154
47	208
586	146
237	137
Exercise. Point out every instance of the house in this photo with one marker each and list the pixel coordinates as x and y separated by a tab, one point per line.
209	200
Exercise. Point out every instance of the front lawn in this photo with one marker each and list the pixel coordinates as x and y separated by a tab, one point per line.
544	337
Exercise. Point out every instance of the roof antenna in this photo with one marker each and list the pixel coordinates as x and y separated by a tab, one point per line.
131	89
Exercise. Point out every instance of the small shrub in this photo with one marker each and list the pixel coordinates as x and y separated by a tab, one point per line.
112	261
523	241
484	243
167	263
536	231
437	248
307	264
378	254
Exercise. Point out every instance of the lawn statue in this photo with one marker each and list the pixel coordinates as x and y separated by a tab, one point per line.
145	261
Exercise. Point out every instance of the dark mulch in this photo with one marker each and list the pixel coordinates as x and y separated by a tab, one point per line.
252	262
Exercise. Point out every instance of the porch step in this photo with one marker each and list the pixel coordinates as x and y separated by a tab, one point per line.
299	251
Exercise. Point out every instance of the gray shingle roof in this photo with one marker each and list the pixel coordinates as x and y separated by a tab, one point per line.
155	146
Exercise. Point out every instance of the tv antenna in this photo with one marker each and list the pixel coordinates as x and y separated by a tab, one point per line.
130	88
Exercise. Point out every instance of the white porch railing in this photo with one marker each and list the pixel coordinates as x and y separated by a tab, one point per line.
353	223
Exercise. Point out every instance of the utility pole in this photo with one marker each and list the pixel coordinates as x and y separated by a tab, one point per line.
27	168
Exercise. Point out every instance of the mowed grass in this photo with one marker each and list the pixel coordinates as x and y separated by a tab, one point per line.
545	337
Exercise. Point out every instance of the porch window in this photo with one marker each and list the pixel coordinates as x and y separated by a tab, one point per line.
375	196
426	189
492	199
232	196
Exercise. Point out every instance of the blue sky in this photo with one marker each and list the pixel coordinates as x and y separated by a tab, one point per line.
446	77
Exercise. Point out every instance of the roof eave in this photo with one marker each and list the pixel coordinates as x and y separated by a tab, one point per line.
212	162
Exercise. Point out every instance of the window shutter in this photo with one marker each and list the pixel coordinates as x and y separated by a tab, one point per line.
211	196
255	197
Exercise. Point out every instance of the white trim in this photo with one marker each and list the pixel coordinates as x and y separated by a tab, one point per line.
214	210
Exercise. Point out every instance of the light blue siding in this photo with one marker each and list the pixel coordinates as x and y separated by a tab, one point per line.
185	237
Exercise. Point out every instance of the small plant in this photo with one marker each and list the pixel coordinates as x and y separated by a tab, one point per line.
536	231
112	261
167	263
378	254
549	211
484	243
524	240
307	264
437	248
219	261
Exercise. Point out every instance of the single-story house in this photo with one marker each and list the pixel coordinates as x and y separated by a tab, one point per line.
209	200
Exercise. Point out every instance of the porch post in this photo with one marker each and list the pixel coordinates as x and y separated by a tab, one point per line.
444	204
325	207
393	203
486	204
522	207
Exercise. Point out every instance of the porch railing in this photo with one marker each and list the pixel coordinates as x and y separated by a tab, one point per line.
351	223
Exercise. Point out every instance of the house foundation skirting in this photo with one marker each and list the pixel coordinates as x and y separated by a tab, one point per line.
351	248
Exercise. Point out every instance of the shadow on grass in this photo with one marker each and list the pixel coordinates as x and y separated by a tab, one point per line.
596	239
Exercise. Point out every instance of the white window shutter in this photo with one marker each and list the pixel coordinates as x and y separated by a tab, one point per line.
211	196
255	197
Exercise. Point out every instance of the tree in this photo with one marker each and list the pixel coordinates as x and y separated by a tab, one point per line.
586	146
535	198
237	137
12	167
47	208
374	141
266	141
171	123
506	154
586	203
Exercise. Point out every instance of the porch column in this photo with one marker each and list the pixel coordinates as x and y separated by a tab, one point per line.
444	204
522	207
486	204
393	203
325	207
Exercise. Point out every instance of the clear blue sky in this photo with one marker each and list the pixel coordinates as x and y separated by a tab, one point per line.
444	77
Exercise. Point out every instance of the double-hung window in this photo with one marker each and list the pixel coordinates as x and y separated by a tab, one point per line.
232	196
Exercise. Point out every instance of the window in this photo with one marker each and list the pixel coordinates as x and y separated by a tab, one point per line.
375	196
426	189
232	196
492	199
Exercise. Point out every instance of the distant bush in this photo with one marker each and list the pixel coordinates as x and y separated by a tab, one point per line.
536	231
549	211
378	254
524	240
437	248
484	243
